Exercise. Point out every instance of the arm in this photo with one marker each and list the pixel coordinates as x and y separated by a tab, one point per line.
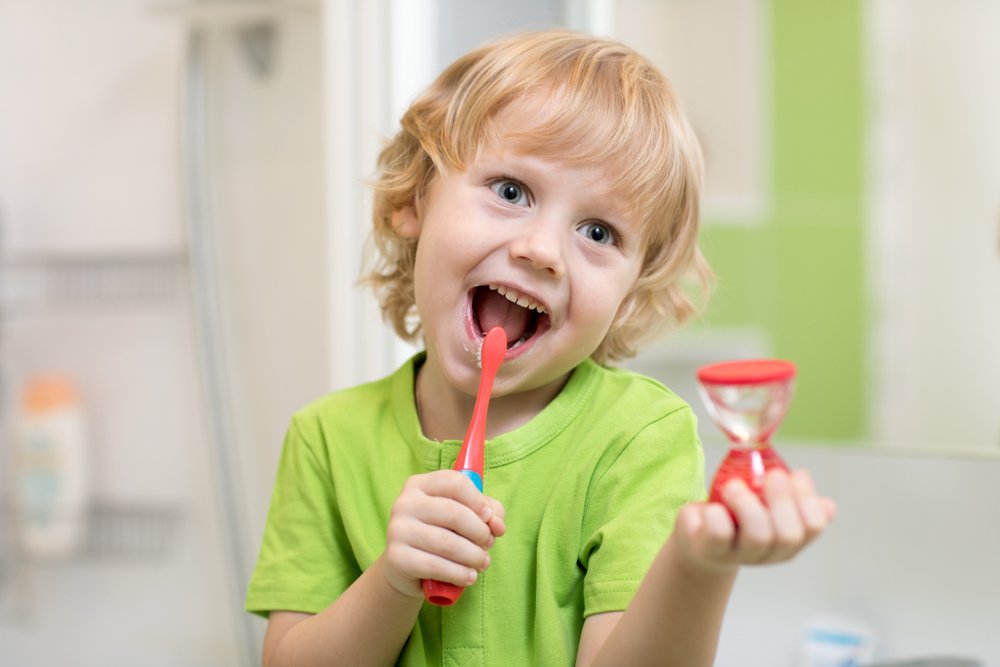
367	625
440	528
677	613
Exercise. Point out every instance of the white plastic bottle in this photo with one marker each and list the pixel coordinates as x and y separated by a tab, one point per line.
50	469
832	640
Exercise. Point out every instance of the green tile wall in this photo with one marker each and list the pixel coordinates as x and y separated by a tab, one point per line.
799	273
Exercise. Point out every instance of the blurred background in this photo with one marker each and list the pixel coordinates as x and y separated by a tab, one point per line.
182	214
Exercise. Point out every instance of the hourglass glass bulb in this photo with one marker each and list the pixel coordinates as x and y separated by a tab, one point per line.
747	400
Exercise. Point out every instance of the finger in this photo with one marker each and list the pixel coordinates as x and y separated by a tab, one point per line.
498	509
428	565
790	533
718	533
453	484
496	523
830	506
816	514
420	557
456	488
719	524
415	507
755	533
454	516
691	521
448	544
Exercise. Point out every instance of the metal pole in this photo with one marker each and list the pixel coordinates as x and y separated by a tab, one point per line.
208	325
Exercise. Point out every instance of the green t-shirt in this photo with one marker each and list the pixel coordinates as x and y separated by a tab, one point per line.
591	488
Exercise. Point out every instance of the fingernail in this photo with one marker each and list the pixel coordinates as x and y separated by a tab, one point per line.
486	513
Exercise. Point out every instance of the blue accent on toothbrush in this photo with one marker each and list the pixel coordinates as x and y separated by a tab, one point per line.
474	476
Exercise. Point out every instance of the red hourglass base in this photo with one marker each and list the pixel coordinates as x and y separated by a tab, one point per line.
749	464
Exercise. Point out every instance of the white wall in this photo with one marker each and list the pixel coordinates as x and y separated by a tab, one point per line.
934	216
912	554
91	120
89	158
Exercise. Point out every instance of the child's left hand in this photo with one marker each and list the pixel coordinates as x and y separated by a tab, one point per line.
793	516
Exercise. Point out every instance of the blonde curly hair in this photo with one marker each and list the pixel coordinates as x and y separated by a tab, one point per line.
614	109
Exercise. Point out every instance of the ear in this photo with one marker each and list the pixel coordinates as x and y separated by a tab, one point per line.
406	221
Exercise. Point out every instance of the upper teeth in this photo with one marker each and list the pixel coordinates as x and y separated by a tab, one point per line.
518	298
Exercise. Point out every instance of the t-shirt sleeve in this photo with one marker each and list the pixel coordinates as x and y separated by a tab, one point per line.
632	505
305	561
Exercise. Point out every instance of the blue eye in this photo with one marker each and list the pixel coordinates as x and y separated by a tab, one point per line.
599	233
511	192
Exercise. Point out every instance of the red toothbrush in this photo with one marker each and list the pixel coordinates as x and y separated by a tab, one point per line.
470	457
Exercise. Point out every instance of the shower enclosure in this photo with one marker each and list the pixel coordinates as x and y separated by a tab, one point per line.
163	246
182	209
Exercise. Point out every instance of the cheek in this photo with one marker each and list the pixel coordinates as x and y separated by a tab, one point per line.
598	301
453	239
605	309
426	274
612	282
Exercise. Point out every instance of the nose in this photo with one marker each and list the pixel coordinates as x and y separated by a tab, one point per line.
541	246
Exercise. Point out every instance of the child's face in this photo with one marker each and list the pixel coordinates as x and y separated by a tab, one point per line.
547	233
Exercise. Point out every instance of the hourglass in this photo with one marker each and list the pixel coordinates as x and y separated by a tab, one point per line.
747	400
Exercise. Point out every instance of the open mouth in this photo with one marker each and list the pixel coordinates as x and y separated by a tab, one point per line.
521	317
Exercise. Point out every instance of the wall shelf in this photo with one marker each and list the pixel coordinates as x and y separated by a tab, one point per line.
115	530
31	281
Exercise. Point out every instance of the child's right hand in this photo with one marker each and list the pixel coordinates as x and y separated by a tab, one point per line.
440	527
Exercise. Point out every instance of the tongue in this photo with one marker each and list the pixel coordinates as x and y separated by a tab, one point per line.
494	310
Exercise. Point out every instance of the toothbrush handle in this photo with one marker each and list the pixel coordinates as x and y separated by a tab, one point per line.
442	593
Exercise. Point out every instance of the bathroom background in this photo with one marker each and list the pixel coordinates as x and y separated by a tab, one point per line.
182	212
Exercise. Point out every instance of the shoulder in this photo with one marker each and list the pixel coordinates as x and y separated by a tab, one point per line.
634	392
640	423
621	416
355	407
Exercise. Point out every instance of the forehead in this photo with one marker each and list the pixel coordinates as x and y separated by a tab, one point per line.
537	126
550	122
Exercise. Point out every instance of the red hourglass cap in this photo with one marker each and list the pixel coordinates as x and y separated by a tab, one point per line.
748	371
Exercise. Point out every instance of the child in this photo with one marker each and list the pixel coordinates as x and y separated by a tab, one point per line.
546	183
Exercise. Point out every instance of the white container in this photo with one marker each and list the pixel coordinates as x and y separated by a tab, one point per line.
831	641
51	483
